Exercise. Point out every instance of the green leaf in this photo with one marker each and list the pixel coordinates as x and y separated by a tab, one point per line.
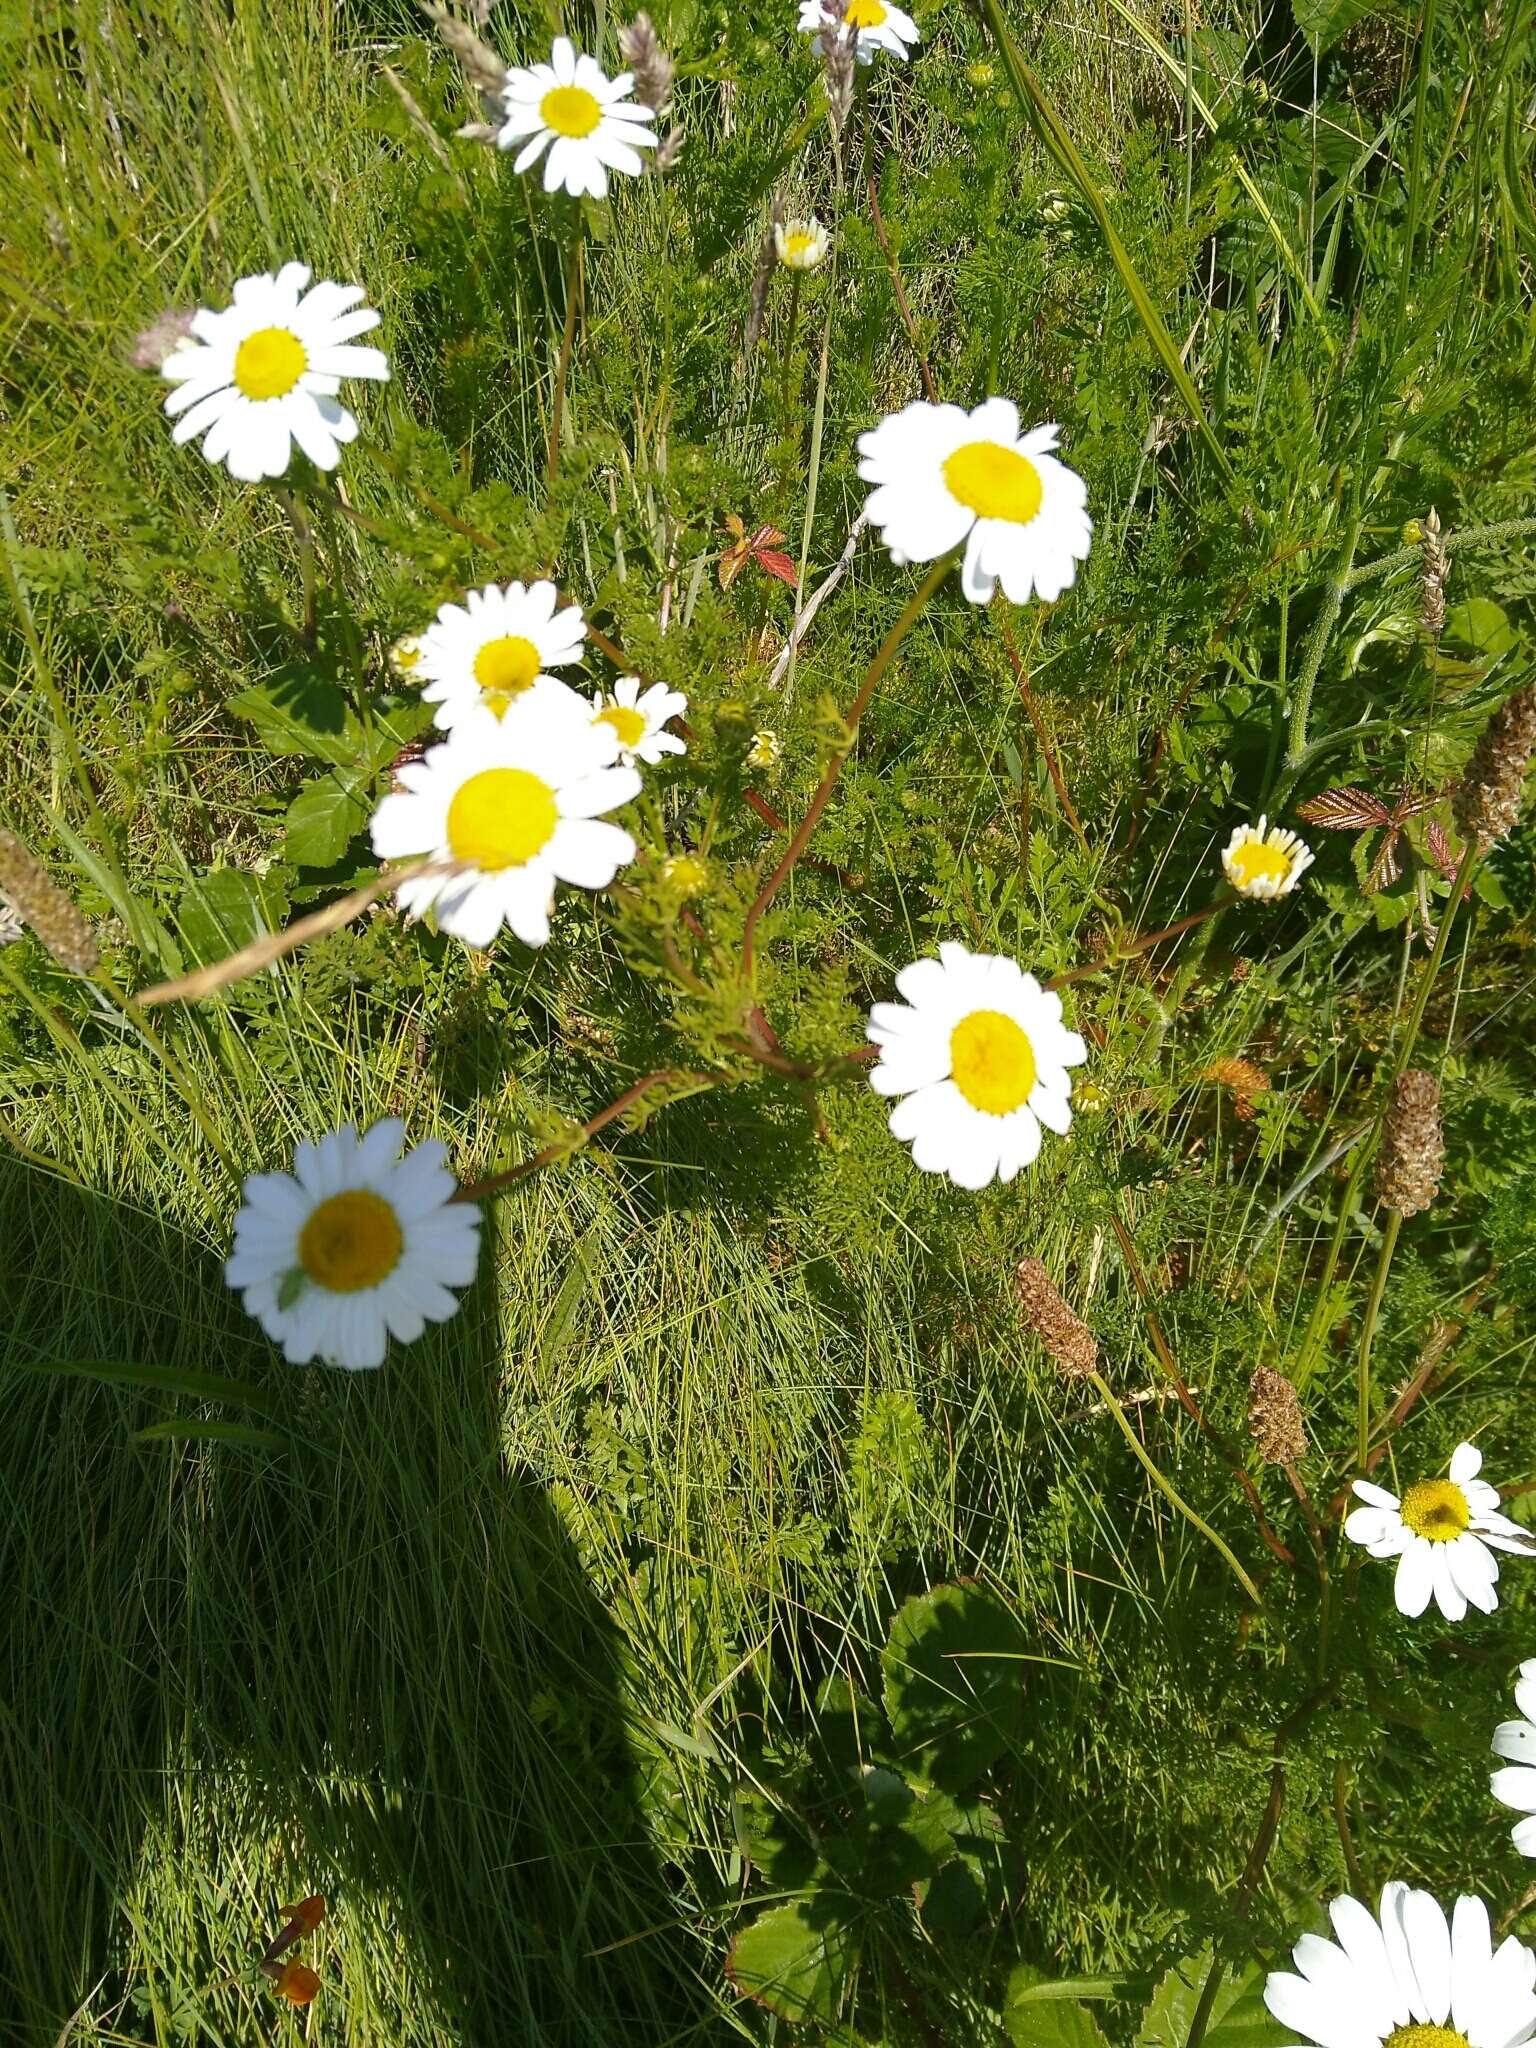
1323	21
798	1960
1479	622
175	1432
1046	2016
954	1691
300	711
1238	2016
223	911
165	1379
323	818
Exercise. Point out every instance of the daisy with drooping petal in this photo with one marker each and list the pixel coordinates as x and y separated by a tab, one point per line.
640	718
1515	1785
520	801
355	1246
766	749
1443	1533
1403	1978
588	122
265	372
872	24
496	646
944	476
1265	861
979	1054
801	244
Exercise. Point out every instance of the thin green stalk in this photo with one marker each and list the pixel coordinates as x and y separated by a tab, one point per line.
1368	1335
567	336
1112	1402
786	382
1453	543
1436	959
1317	645
1347	1201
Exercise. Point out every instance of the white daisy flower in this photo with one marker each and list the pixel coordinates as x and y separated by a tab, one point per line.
1443	1533
405	658
640	719
766	750
267	372
355	1246
1515	1786
520	799
587	121
873	25
944	476
1404	1979
497	645
980	1058
1265	861
802	244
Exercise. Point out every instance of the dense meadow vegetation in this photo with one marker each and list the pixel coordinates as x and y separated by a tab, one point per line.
796	1596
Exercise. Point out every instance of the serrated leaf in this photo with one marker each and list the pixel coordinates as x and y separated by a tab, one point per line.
1238	2017
323	819
954	1692
1344	810
1386	867
798	1960
300	711
776	564
1322	22
223	911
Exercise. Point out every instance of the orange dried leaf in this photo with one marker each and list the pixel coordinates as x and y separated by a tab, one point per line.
310	1911
298	1984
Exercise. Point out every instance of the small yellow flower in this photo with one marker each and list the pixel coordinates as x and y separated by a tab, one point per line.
1413	533
1265	861
980	73
802	244
766	749
686	875
405	657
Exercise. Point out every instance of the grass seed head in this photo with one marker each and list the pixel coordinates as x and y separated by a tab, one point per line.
34	897
1412	1155
641	49
1487	799
1434	567
1064	1335
1274	1417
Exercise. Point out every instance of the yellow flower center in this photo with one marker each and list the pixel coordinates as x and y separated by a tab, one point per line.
269	363
1256	860
626	721
350	1242
1437	1510
506	667
570	110
501	818
992	1062
797	247
1419	2036
864	13
994	482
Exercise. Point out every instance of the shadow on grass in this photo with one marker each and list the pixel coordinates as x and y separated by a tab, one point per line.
368	1665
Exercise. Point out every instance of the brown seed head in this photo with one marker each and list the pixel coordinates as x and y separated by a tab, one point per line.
837	58
1487	799
37	899
641	49
1434	567
1412	1155
480	64
1068	1340
1274	1417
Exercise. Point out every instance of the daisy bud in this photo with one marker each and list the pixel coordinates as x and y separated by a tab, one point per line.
1487	800
1068	1340
640	47
1434	567
35	898
686	875
1274	1417
1412	1155
765	750
162	338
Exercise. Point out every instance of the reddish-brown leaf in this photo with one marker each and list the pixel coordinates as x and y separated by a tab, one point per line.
1345	810
1386	867
775	564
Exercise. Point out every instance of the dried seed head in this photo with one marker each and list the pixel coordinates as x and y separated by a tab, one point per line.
757	303
1487	799
837	57
159	341
478	61
1068	1340
1274	1417
670	150
37	899
1434	567
1412	1155
640	47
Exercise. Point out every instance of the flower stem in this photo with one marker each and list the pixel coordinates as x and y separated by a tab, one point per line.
1317	645
1367	1337
787	380
675	1077
1112	1402
568	335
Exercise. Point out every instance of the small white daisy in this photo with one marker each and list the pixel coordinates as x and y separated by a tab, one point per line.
640	719
1265	861
405	658
873	25
944	476
267	372
980	1058
1440	1532
802	244
1404	1979
520	799
355	1246
587	121
497	645
1515	1786
766	750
